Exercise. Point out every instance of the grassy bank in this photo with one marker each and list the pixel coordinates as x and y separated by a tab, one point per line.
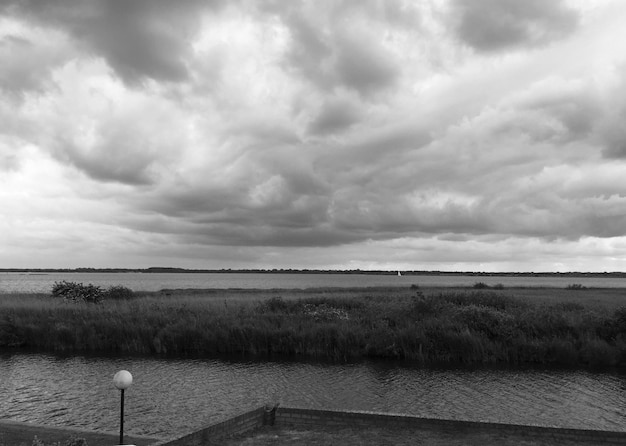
561	327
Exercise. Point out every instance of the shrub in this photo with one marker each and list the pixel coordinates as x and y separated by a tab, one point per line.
273	305
599	353
426	306
62	289
620	318
575	286
480	298
77	292
345	303
481	285
561	351
489	321
324	312
498	286
570	307
119	292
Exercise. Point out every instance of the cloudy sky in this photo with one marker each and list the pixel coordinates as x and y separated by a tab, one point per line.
482	135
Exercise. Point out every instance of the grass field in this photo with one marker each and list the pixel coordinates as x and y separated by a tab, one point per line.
578	328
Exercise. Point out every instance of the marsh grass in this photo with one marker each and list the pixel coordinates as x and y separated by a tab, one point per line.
429	326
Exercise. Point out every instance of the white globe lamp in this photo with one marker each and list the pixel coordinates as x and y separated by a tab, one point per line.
122	380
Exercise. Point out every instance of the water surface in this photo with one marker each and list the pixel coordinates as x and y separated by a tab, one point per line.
171	397
42	283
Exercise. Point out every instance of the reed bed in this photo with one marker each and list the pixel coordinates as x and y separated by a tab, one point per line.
437	326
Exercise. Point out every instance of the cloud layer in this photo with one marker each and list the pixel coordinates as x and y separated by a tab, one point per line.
483	135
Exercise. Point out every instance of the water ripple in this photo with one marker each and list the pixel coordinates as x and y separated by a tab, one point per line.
171	397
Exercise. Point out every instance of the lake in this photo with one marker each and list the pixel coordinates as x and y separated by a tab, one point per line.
42	283
171	397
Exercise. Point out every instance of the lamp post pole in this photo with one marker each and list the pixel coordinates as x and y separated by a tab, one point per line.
122	419
122	380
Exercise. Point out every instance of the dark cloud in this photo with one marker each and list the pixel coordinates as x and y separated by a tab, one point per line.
556	216
310	50
28	64
385	216
335	116
363	65
347	216
611	131
613	136
145	38
388	12
560	119
118	163
139	38
279	211
18	41
371	152
332	56
126	142
238	234
268	196
575	111
494	25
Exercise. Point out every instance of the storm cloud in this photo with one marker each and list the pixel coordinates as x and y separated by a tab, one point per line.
494	25
422	135
139	39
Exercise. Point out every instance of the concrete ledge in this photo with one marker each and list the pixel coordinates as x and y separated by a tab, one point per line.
212	434
293	416
16	432
312	418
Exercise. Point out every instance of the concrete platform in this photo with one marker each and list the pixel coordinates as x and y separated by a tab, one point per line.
14	433
267	426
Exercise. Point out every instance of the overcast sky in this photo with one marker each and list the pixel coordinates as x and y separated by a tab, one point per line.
474	135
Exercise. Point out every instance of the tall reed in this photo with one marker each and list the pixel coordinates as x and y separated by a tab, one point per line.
440	327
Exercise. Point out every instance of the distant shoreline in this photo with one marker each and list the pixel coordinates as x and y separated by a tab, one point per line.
161	270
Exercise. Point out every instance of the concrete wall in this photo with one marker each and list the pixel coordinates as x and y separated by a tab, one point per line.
312	418
212	434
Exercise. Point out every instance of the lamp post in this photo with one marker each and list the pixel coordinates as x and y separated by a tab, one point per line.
122	380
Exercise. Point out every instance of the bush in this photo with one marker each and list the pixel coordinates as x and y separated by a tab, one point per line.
427	306
480	298
119	292
575	286
489	321
599	353
324	312
77	292
273	305
481	285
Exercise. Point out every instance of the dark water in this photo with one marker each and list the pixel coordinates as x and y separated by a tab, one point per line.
171	397
42	283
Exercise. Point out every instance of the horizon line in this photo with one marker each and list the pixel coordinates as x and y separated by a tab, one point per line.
158	269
